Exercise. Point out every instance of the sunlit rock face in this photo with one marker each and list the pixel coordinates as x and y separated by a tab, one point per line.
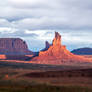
57	54
2	57
13	46
57	40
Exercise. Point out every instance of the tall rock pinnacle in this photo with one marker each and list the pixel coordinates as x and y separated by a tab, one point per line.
57	39
57	54
47	44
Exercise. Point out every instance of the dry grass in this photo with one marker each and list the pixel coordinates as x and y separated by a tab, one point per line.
16	77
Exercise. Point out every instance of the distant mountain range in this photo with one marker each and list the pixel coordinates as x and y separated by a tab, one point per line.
82	51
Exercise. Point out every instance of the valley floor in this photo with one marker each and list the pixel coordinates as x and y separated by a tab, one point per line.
24	77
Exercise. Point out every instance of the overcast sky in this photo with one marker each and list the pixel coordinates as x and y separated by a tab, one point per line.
36	21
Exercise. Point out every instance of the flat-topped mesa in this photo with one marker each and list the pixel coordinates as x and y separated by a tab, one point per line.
57	39
13	46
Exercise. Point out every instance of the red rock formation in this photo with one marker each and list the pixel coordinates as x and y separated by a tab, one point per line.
13	46
3	57
47	45
57	54
57	40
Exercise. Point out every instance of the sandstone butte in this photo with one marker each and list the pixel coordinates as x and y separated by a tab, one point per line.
13	46
13	49
56	53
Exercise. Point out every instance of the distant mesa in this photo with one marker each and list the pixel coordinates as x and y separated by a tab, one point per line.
82	51
56	53
13	46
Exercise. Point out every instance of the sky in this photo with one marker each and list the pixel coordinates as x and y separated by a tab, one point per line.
35	21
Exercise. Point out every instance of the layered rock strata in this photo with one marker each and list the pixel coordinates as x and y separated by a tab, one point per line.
13	46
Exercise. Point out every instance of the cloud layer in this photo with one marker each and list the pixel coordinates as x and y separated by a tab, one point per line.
36	21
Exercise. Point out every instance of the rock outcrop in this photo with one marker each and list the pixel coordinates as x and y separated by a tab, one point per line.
57	40
57	54
47	45
13	46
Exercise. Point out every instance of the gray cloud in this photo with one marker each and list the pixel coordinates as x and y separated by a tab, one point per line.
69	17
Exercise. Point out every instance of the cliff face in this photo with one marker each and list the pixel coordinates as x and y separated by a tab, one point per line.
13	46
57	54
57	40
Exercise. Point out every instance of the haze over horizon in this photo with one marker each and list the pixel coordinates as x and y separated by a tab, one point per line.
35	21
